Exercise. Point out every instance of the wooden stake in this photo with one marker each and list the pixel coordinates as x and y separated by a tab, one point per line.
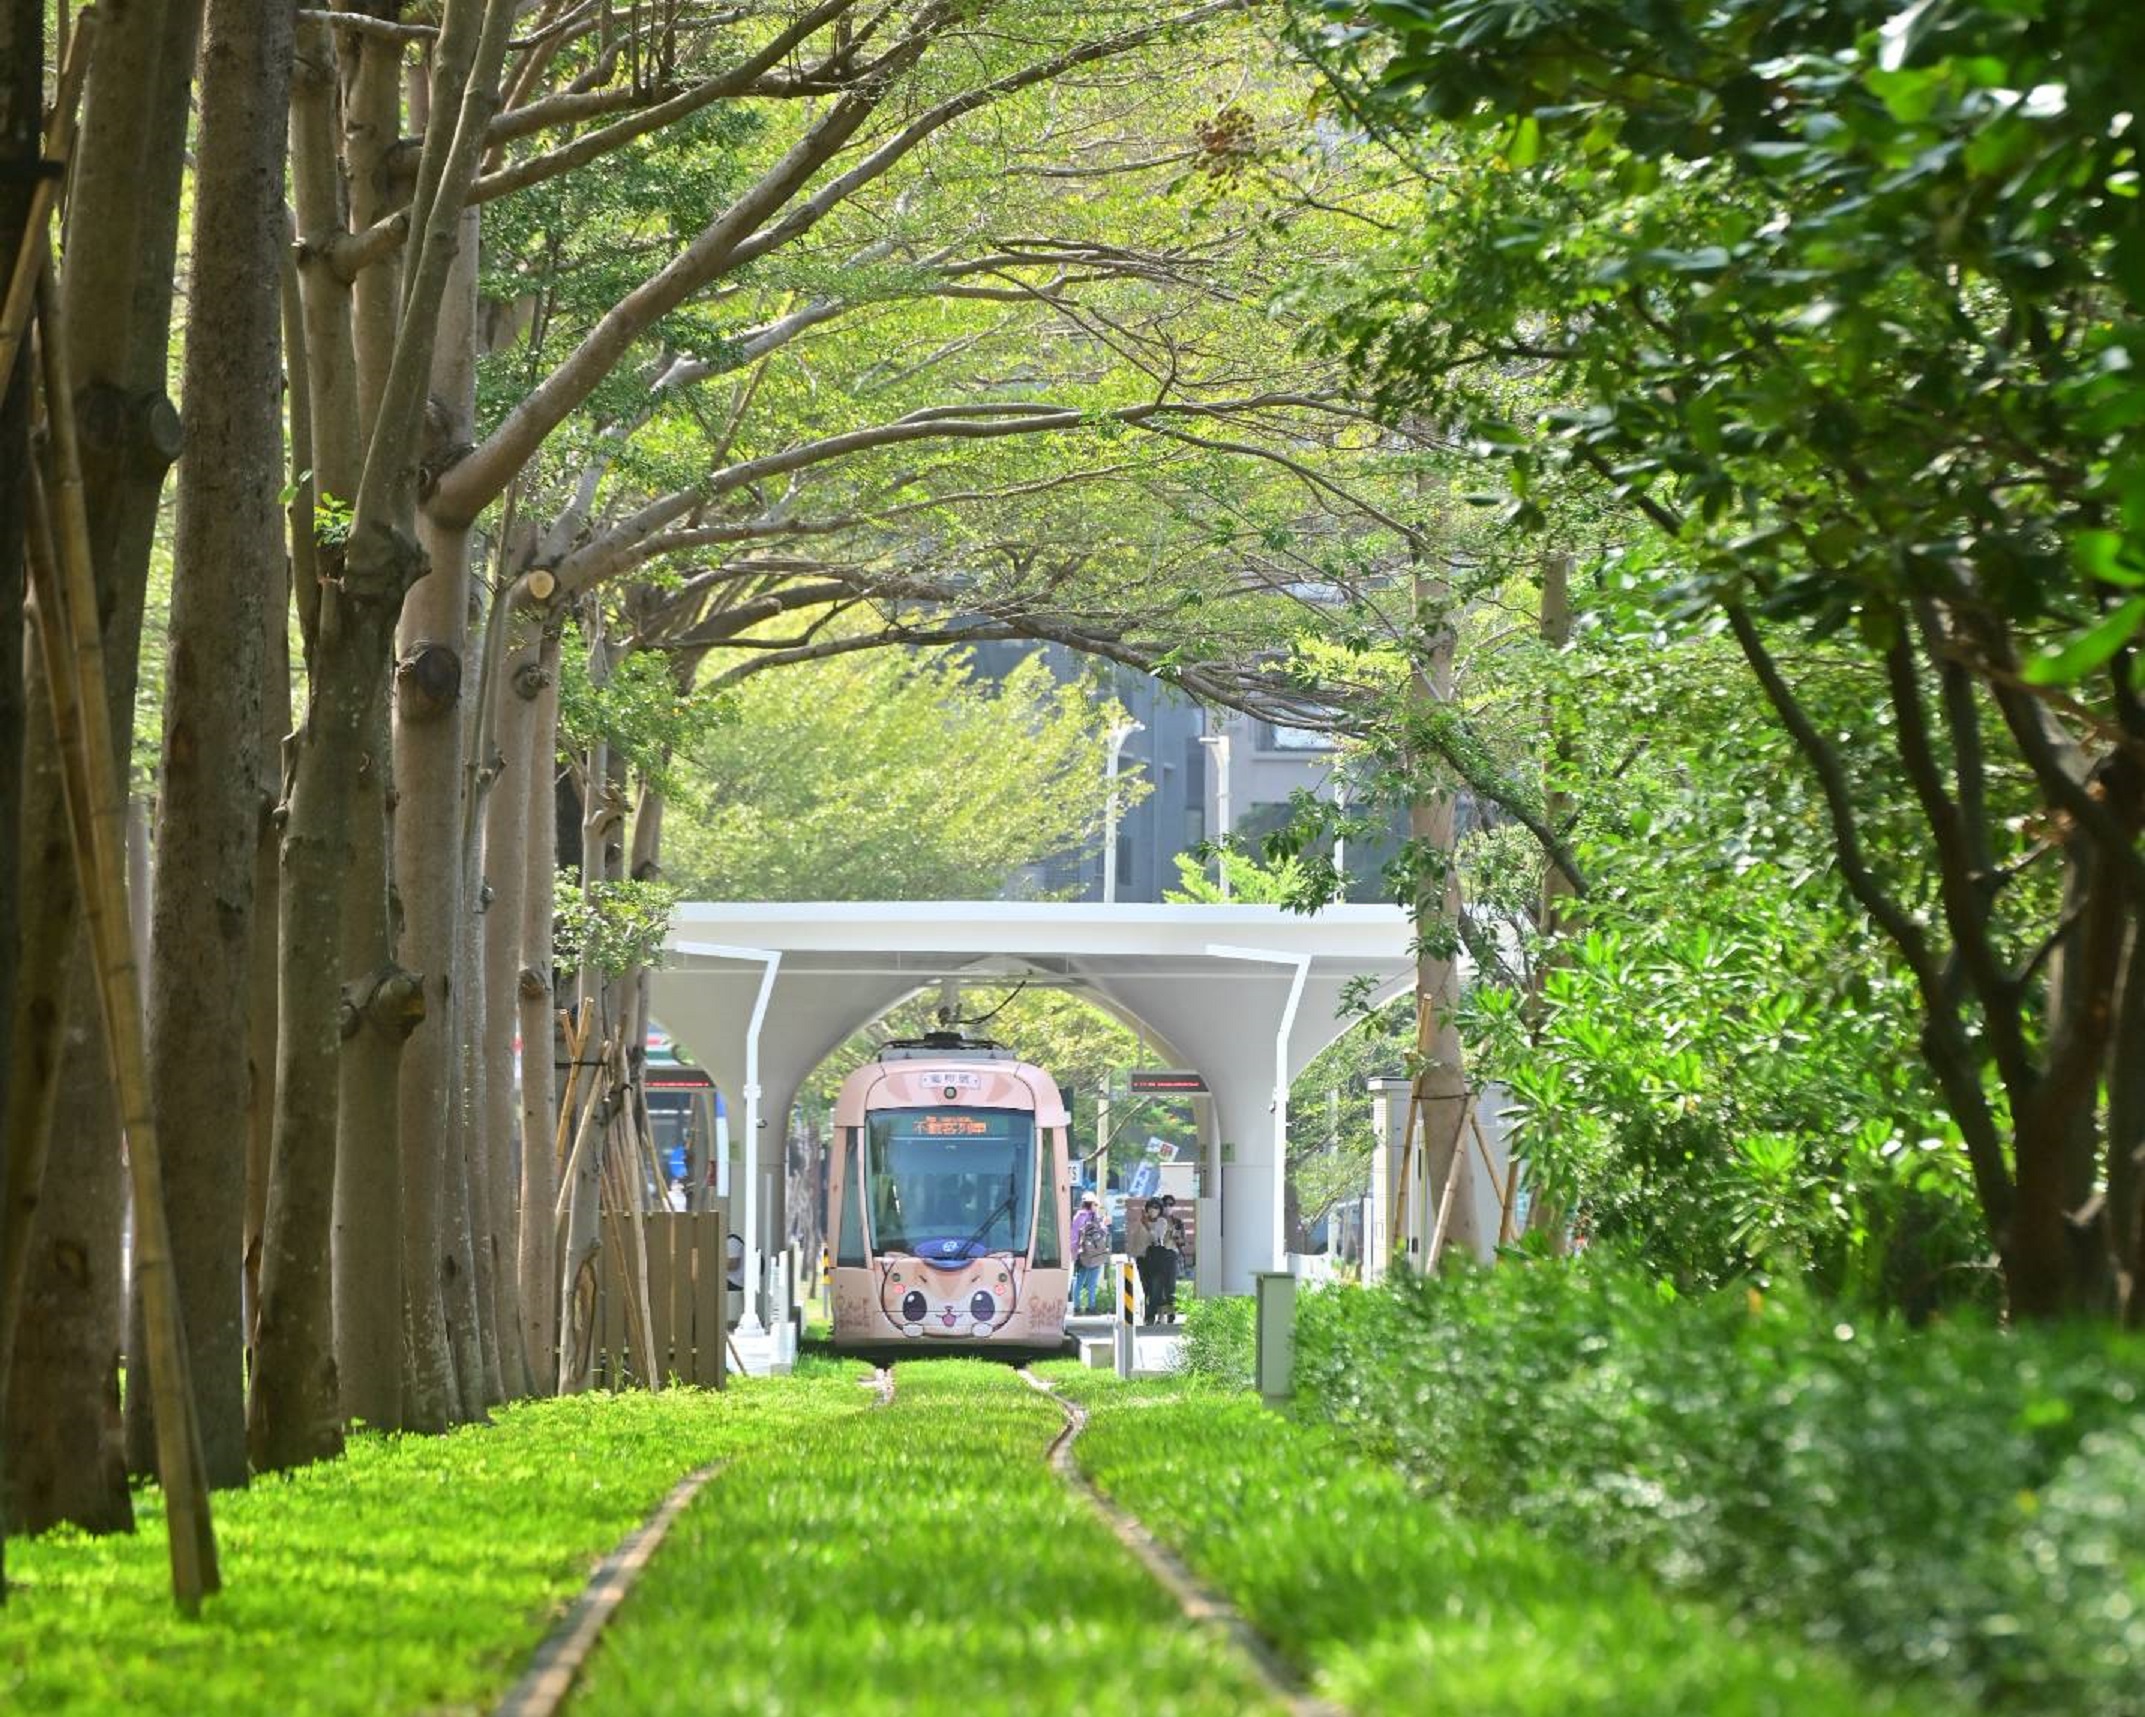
1444	1210
626	1178
575	1030
64	586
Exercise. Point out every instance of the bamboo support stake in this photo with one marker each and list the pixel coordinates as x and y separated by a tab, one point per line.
1489	1167
639	1243
572	1165
633	1213
68	633
1444	1210
1482	1145
29	264
575	1029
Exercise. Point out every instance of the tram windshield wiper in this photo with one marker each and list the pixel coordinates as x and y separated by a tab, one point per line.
1004	1207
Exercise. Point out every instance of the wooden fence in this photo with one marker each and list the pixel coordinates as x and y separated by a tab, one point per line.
687	1323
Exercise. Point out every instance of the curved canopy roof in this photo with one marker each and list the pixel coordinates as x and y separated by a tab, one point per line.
761	993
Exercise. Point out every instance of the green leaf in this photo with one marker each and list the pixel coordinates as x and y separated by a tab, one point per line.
1526	146
2099	555
2088	650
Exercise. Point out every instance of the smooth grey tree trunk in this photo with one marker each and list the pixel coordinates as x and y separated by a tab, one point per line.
505	873
227	560
1441	1097
294	1415
261	973
537	694
433	685
382	1004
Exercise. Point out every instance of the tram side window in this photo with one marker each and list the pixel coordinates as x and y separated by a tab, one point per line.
1049	1216
849	1249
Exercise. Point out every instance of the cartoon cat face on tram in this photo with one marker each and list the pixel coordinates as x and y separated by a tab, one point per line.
966	1303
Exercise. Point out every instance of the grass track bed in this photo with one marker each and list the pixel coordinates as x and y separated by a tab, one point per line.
415	1575
922	1556
1391	1604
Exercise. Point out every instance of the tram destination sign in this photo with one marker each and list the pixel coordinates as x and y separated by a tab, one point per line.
1165	1082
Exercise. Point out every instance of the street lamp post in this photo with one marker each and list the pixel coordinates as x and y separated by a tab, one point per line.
1218	743
1123	731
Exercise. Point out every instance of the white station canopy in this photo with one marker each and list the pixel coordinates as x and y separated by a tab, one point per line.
761	993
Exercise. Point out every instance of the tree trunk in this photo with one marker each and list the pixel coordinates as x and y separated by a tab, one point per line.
372	127
2057	1254
1441	1097
336	429
2126	1134
65	1450
122	236
1548	1216
22	47
506	882
469	1111
46	966
390	1377
430	728
263	1003
227	558
535	750
294	1415
22	50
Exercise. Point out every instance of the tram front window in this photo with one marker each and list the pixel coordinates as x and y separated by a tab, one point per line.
950	1183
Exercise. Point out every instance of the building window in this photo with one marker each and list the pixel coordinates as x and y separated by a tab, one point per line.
1273	738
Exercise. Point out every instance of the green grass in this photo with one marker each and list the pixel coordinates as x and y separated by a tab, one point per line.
917	1558
414	1575
1392	1603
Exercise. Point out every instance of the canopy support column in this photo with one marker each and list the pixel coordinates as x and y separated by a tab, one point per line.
1301	964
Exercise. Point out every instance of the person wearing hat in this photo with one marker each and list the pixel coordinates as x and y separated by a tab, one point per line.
1090	1251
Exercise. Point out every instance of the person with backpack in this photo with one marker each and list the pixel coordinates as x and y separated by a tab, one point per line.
1091	1250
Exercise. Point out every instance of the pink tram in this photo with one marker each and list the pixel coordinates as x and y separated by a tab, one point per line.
948	1201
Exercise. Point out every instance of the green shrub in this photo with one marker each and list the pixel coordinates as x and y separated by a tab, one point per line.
1947	1502
1218	1340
